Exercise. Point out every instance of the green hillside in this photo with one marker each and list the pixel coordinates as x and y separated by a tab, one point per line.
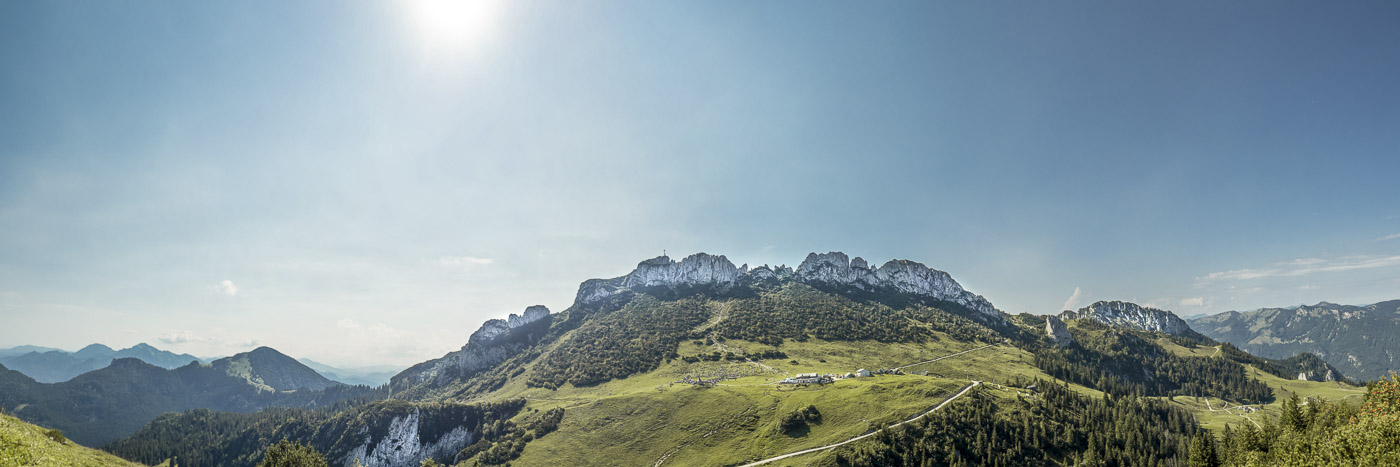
25	444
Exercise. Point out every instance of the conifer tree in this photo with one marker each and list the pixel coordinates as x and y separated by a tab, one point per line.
1203	451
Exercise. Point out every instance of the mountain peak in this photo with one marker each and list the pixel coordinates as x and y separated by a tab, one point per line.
1132	315
832	269
96	348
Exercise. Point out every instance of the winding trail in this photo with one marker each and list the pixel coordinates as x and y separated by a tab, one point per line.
1227	410
943	357
964	390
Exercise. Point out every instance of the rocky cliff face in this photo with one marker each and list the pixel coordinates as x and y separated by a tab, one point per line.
1132	315
694	270
1055	329
829	269
403	447
902	276
494	342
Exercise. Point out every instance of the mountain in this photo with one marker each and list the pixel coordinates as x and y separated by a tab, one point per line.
1362	341
367	376
620	320
700	362
93	350
1132	315
27	444
105	404
24	349
56	365
270	370
154	356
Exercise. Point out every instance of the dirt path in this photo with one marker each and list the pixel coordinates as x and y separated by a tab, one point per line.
943	357
964	390
1227	410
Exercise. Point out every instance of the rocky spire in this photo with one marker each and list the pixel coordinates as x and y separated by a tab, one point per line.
1055	329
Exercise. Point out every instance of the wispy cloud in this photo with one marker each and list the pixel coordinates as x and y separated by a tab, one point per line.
464	261
1388	237
1195	301
176	337
226	287
1299	267
1073	300
185	336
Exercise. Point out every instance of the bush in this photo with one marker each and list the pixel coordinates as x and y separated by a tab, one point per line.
288	454
56	436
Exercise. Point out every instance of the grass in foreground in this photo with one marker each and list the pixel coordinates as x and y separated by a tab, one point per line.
25	444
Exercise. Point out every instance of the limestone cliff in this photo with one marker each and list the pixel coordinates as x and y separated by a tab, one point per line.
1132	315
1055	329
829	269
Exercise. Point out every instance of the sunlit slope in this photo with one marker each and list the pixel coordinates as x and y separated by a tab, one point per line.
24	444
648	418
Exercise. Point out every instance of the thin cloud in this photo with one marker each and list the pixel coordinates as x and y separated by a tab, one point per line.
1301	267
1073	300
1388	237
226	287
179	337
1195	301
464	261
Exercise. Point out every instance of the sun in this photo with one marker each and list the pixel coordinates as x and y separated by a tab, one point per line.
453	25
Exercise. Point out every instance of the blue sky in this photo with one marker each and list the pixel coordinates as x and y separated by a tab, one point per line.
366	183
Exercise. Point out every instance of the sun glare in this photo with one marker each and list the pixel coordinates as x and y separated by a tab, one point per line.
453	25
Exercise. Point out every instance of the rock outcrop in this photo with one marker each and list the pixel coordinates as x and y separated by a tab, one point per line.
1132	315
901	276
403	446
1055	329
494	342
829	269
695	270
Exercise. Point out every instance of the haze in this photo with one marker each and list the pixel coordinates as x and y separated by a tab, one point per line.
367	184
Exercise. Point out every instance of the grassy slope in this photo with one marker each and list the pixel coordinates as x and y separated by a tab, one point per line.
643	418
26	444
1217	419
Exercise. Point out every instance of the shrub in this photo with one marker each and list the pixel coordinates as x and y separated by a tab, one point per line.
56	436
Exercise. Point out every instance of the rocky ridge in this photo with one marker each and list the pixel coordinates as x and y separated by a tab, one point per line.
1132	315
494	342
829	269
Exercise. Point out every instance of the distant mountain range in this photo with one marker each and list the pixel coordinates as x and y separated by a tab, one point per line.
368	376
48	365
102	405
1362	341
679	362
